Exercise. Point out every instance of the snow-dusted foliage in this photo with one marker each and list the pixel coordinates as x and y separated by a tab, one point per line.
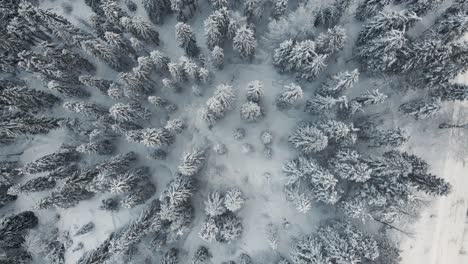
192	162
100	98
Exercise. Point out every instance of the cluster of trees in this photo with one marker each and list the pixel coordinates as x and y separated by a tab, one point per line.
221	223
163	219
308	58
13	229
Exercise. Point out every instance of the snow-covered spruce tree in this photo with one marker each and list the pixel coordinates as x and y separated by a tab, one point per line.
392	137
177	71
157	9
103	147
451	24
217	57
384	53
209	230
384	22
253	9
160	60
348	165
6	198
271	232
140	28
186	37
52	161
321	104
38	184
282	55
290	95
255	91
216	106
27	99
214	205
14	125
245	43
130	112
102	52
125	182
358	103
422	7
170	257
101	85
119	43
171	85
85	108
336	131
175	126
330	15
118	163
67	90
233	200
369	8
9	171
338	83
308	139
452	92
216	28
156	137
252	112
332	41
192	162
201	256
13	228
421	108
279	8
139	195
307	180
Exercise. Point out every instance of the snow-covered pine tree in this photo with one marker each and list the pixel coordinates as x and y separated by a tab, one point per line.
452	92
27	99
321	104
130	112
139	195
38	184
171	85
140	28
369	8
253	9
383	53
451	24
216	28
201	256
103	147
283	54
217	57
186	37
119	43
421	108
101	85
67	90
156	137
348	165
102	52
233	200
52	161
23	124
392	137
157	9
214	205
216	106
279	8
308	139
290	95
332	41
245	43
255	91
384	22
330	15
252	112
13	228
170	257
192	162
160	60
85	108
338	83
271	232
